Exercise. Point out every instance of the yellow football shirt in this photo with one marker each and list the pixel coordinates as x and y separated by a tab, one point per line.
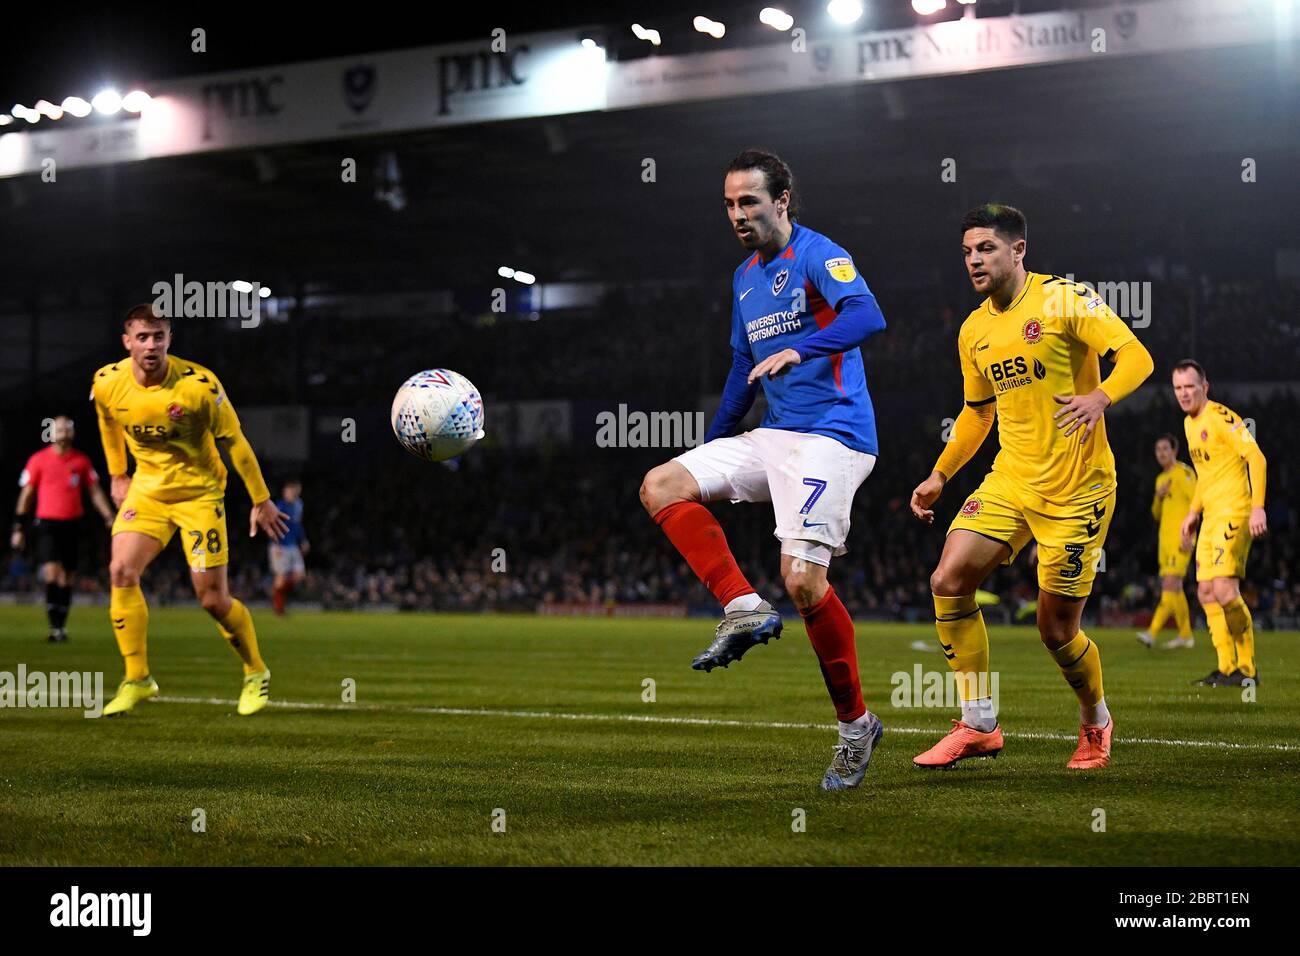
1171	509
1046	343
1219	442
171	429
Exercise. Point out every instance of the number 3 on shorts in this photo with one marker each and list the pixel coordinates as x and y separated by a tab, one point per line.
818	486
1075	564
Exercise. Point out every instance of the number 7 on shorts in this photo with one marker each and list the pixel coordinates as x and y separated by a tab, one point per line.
818	486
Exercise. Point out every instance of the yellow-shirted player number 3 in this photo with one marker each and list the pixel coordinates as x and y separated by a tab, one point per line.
1029	357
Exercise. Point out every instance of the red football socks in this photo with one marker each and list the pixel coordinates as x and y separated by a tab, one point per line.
831	631
700	539
278	595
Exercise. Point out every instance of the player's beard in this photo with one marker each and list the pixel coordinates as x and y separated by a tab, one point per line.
998	282
151	363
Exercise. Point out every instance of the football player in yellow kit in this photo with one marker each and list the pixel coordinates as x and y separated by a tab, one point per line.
170	413
1175	486
1232	473
1029	356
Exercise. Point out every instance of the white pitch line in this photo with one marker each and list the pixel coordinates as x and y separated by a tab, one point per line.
699	722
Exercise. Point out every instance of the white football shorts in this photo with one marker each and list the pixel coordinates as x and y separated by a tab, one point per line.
287	559
810	480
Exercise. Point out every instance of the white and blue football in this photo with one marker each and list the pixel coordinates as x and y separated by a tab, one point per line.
437	414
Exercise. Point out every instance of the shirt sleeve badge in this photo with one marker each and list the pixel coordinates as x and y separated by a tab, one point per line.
841	269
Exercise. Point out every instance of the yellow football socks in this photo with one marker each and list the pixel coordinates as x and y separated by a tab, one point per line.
1221	636
1182	613
965	643
1164	610
1080	663
1242	631
237	628
130	617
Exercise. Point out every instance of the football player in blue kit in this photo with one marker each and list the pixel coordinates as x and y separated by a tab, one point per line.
286	555
799	312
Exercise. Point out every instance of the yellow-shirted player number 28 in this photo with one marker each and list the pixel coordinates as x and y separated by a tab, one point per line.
212	537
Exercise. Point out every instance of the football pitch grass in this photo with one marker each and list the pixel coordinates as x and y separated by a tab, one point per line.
460	717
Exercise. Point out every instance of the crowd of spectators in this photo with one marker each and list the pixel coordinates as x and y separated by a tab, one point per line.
514	529
661	344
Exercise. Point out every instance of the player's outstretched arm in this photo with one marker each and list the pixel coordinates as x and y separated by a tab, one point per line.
926	494
269	518
737	396
1257	470
114	442
970	429
226	429
1188	528
102	505
859	318
1242	440
1133	364
265	514
778	363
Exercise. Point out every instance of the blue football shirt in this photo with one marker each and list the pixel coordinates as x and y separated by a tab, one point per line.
295	535
778	305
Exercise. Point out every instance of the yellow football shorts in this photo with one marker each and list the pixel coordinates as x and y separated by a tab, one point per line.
1173	559
1223	547
202	523
1070	537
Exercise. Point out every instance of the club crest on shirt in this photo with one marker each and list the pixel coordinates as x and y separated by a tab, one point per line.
175	412
128	514
971	507
841	269
779	282
1032	332
1205	435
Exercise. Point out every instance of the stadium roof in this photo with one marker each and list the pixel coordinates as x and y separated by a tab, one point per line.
1113	159
87	44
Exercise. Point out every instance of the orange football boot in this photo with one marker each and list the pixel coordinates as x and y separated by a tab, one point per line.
961	743
1094	748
